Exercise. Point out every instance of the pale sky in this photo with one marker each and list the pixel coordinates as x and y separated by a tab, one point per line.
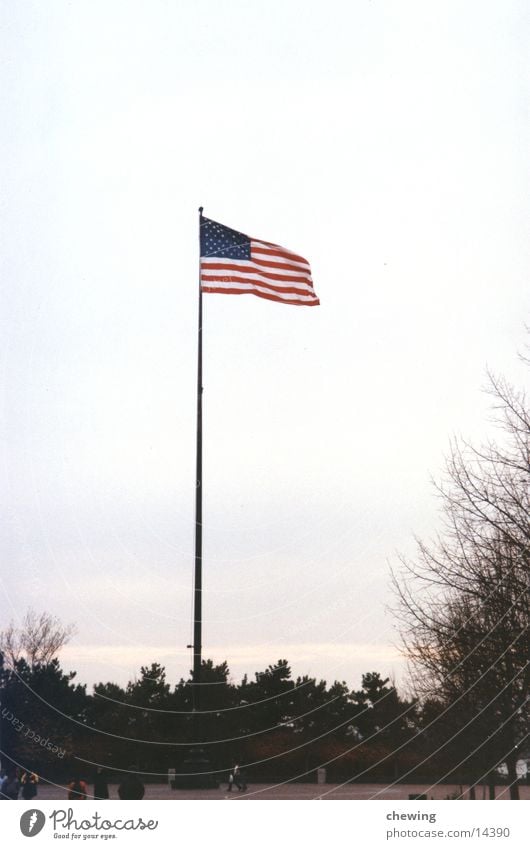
387	143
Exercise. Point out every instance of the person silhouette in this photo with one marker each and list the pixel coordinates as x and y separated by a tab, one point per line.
77	789
29	783
101	787
131	786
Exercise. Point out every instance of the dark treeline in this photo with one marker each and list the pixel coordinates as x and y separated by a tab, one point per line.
277	726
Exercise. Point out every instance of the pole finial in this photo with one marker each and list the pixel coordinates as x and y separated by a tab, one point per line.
200	210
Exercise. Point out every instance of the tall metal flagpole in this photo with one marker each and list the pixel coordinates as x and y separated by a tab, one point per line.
197	607
196	770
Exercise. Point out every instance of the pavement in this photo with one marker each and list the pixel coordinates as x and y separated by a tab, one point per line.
288	791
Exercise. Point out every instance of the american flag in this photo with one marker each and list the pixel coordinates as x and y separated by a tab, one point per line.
235	264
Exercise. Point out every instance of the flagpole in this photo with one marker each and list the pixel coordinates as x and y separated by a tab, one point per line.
197	606
196	771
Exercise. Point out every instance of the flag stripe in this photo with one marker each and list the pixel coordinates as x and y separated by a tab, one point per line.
229	284
215	267
283	264
252	280
268	268
276	250
261	256
252	274
262	293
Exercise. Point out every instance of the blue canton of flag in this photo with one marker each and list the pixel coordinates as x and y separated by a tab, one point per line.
220	241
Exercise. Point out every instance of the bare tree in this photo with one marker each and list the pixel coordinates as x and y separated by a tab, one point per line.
38	640
463	602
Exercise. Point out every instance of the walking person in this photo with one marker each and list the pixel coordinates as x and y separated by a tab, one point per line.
234	778
237	776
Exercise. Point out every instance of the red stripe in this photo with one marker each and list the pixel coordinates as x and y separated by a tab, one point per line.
266	295
277	251
290	289
268	264
270	275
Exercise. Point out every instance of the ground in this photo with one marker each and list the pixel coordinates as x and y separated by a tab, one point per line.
301	791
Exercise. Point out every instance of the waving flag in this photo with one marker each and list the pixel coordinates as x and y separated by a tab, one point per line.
235	264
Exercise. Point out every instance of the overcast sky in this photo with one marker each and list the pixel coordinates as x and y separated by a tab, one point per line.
387	143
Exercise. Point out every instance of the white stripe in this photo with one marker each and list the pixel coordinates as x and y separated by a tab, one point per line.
251	267
251	287
237	276
270	246
256	253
